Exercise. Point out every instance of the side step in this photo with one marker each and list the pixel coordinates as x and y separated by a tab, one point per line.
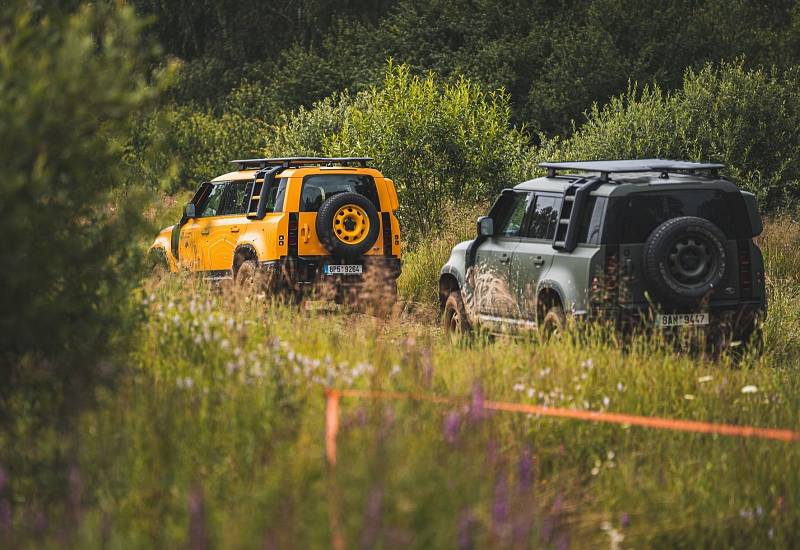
575	197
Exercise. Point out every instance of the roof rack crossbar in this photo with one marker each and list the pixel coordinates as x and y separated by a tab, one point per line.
287	162
606	167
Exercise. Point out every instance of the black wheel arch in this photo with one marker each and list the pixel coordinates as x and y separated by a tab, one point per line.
447	284
547	297
241	254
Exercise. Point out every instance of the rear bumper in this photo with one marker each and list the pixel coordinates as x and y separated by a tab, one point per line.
303	271
740	318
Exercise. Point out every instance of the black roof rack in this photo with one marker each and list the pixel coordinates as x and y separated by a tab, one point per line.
606	167
286	162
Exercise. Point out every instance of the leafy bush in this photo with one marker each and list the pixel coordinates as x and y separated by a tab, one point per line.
440	143
746	119
70	86
192	144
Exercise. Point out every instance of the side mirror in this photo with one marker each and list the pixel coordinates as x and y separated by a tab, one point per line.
485	226
189	210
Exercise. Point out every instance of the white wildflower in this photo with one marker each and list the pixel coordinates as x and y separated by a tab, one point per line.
749	389
688	397
704	379
518	387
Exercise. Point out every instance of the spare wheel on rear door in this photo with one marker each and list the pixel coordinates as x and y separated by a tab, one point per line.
348	224
685	260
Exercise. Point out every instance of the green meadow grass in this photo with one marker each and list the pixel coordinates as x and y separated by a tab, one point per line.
216	433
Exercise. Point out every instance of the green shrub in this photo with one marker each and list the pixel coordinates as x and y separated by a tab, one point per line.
70	86
440	143
746	119
190	144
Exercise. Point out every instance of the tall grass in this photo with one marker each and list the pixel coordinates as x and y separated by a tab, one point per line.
217	436
419	280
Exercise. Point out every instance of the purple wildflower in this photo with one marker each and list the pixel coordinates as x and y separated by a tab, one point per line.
452	425
198	537
466	531
525	469
625	520
372	523
476	411
500	504
5	509
75	492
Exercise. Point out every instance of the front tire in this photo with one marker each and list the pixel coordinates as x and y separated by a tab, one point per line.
454	318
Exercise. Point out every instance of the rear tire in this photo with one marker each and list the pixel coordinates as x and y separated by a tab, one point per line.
250	277
554	323
454	316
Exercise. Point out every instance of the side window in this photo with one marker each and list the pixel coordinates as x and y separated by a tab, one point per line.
234	201
589	231
544	218
211	203
512	225
276	196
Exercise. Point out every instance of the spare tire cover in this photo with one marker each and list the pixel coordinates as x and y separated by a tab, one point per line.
348	224
685	260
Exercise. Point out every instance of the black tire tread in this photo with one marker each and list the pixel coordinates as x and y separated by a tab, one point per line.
325	221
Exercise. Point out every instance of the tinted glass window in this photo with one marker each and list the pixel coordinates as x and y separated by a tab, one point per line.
631	219
276	195
235	200
318	188
210	204
544	218
511	224
591	220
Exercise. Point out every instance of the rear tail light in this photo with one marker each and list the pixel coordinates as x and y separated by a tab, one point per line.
745	268
605	285
386	222
292	237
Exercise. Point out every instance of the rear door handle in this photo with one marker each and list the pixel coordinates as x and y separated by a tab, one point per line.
234	229
205	231
538	261
505	258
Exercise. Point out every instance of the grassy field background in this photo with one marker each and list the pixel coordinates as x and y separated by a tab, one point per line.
215	434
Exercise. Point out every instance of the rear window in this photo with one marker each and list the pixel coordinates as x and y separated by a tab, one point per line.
320	187
631	219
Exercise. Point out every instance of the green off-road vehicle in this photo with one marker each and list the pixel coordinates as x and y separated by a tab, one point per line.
647	242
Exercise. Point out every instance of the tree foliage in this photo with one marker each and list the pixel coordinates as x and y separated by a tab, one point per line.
69	86
746	119
440	143
554	59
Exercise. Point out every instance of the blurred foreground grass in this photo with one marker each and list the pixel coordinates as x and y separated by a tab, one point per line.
216	434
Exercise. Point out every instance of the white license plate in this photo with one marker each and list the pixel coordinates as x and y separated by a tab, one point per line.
681	319
346	269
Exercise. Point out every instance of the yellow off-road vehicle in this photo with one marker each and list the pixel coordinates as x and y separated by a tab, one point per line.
292	223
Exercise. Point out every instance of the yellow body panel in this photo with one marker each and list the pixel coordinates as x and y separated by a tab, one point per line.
210	243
